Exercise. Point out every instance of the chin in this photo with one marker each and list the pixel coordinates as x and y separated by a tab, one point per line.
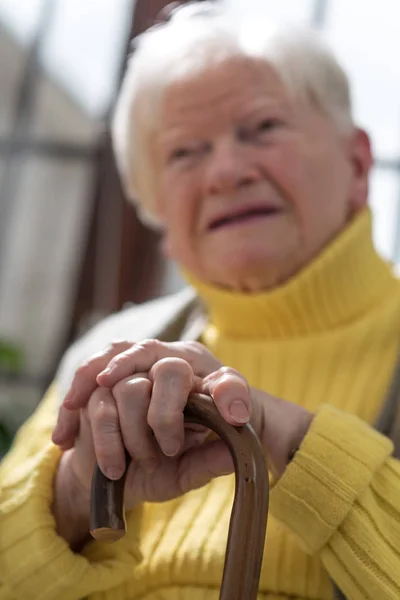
254	268
247	276
244	259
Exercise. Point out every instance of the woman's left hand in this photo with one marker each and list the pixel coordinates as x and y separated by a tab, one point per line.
280	425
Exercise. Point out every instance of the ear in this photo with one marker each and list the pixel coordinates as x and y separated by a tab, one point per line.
361	162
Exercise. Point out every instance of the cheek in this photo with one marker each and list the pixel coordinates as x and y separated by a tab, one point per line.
309	175
179	206
327	173
170	194
286	171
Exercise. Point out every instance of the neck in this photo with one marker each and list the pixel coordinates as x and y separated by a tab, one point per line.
342	283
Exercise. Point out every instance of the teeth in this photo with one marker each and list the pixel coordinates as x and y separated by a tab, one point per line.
244	215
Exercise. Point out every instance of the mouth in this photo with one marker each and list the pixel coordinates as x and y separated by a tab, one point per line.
244	215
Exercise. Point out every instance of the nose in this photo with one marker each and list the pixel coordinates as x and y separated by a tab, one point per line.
229	168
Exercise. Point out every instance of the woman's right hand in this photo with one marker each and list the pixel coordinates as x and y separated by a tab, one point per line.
144	413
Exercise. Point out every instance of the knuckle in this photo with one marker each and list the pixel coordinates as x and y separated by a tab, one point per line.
120	390
141	384
107	429
104	415
120	358
225	371
197	349
204	360
131	386
119	351
230	371
104	418
106	434
197	346
163	420
119	345
173	365
175	374
150	344
228	375
84	368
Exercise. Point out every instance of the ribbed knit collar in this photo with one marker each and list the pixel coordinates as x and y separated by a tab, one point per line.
345	281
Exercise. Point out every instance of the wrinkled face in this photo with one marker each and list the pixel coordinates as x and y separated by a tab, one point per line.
252	184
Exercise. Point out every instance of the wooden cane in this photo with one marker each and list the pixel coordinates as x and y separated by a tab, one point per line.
248	522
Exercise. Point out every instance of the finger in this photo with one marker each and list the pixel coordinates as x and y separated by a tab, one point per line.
199	465
132	396
231	394
66	429
107	437
84	381
84	448
172	383
141	357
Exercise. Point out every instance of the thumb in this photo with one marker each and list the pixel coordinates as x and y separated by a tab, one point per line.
201	464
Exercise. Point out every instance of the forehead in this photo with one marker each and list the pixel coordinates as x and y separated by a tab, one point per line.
221	92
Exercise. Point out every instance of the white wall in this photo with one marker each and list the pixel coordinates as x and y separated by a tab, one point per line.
44	227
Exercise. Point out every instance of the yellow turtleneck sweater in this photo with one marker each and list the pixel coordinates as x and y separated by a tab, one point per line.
327	340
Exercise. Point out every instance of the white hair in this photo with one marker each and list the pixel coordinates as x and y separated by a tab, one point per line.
198	35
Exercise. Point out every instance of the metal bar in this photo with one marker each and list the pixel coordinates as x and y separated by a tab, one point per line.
52	149
384	163
396	245
126	265
320	12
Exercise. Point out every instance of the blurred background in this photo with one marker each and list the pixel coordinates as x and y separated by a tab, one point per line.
71	248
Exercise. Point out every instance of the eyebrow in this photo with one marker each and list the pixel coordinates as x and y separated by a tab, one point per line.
178	130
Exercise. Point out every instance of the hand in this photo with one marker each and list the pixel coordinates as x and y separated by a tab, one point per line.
144	391
112	419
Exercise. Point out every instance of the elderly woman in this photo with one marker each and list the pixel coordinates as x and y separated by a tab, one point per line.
242	148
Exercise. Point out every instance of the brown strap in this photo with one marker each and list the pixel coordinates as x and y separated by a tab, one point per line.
188	325
179	326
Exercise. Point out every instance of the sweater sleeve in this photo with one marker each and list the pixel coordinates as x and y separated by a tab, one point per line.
36	563
340	497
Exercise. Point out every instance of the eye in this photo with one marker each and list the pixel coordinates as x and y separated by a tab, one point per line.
189	153
180	153
260	130
267	125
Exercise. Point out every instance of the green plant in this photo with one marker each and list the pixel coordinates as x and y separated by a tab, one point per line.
6	438
11	365
11	358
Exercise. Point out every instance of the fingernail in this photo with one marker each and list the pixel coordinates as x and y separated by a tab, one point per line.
238	411
56	438
58	434
170	447
114	473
